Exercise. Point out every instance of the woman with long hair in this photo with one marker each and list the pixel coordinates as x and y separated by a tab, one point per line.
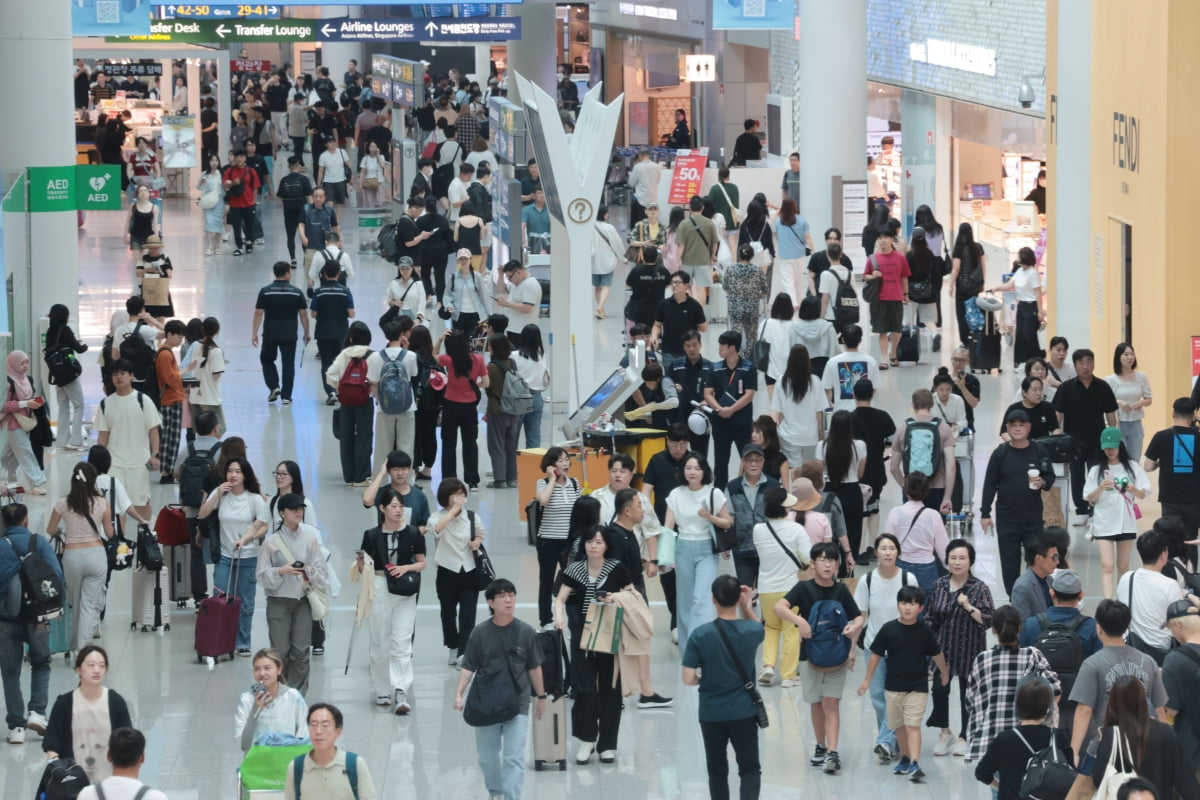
406	293
70	396
21	400
764	432
269	707
952	409
470	231
919	532
935	237
876	225
845	460
429	405
243	519
458	533
959	609
607	252
356	423
793	241
143	221
83	718
530	358
778	330
206	362
373	180
556	493
84	513
756	229
994	679
585	515
1132	390
466	375
1145	746
1113	487
970	264
670	253
504	429
816	334
1027	282
798	407
435	250
923	266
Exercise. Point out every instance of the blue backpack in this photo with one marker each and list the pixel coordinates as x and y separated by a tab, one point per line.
395	389
828	647
351	772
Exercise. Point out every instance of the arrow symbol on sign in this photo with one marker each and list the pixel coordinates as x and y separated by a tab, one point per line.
222	30
431	28
328	31
272	10
171	10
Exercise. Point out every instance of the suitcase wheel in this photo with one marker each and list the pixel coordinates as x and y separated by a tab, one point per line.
166	626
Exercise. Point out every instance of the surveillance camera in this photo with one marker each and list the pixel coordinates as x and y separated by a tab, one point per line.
1025	95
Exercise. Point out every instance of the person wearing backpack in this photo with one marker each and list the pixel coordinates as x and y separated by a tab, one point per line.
195	468
100	711
967	276
61	348
332	308
349	373
430	389
925	444
1003	765
391	372
127	754
330	770
16	631
504	389
829	620
127	423
139	354
331	252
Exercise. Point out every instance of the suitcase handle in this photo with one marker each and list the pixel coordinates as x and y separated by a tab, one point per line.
237	564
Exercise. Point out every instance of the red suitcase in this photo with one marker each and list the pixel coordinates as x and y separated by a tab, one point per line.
217	623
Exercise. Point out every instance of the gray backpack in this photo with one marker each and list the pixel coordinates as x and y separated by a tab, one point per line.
515	397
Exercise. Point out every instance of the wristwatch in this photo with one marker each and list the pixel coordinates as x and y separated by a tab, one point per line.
541	697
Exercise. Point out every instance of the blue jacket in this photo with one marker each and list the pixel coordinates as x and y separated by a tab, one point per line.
16	540
1031	629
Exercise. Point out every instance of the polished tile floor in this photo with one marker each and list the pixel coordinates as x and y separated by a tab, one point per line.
186	710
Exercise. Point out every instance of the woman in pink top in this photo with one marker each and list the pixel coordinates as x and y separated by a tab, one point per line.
920	531
20	400
84	514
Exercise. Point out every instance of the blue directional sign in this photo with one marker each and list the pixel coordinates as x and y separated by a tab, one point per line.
186	11
441	29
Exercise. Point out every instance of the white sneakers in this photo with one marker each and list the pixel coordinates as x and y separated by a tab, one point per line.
16	736
582	756
452	659
402	707
767	676
943	744
960	748
608	756
383	700
36	723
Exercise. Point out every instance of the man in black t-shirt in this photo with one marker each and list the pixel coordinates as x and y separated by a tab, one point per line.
294	190
1085	406
659	479
647	282
676	315
279	304
332	307
1173	451
876	428
691	375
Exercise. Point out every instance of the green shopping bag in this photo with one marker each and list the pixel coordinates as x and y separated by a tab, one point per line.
266	767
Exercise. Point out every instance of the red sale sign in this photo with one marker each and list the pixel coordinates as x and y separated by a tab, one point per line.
1196	356
688	175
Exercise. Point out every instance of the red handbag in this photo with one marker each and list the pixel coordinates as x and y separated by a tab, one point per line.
171	526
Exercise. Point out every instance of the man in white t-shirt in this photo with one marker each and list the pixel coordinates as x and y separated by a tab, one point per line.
846	369
523	299
456	193
331	173
127	423
1149	593
150	329
127	752
393	431
333	247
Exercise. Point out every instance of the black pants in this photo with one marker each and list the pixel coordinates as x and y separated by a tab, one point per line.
596	714
271	348
1025	339
939	717
291	224
1190	514
743	735
298	147
425	441
318	633
637	212
327	351
934	498
1078	469
242	220
667	581
355	437
549	553
852	510
746	569
464	418
457	597
1013	538
467	323
199	572
433	273
960	312
724	436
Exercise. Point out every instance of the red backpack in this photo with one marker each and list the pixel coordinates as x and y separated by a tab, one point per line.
353	388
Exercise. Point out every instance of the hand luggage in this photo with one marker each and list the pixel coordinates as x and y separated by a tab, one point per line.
909	348
179	561
718	304
554	662
217	623
550	737
148	611
171	526
60	632
985	346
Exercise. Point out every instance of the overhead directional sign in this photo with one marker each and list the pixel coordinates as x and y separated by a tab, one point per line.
440	29
207	31
182	11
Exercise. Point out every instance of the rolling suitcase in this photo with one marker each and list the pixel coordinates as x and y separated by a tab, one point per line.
179	561
60	632
550	737
217	623
909	348
148	611
985	346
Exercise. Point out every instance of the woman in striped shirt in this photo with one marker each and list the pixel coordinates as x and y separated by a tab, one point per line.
556	494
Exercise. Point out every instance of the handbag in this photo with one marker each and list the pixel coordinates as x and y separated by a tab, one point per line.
760	708
210	200
265	767
485	571
24	422
800	566
408	584
1119	770
1048	774
602	628
318	599
722	539
171	526
116	547
493	697
762	350
735	216
871	289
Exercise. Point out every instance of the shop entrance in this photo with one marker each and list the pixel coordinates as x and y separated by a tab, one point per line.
1120	255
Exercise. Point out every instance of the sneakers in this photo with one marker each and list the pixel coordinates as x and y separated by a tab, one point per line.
833	763
915	773
331	399
273	396
16	736
584	754
510	485
652	701
249	249
402	708
902	766
866	556
209	252
36	723
287	401
243	652
937	342
767	676
452	658
383	700
960	748
818	756
943	744
608	756
790	683
237	251
674	636
1081	520
474	487
318	650
883	753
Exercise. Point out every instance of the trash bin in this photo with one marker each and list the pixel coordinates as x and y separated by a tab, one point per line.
370	223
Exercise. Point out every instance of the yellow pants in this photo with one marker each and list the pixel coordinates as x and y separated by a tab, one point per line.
774	629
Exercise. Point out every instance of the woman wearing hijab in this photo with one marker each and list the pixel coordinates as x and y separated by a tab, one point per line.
20	401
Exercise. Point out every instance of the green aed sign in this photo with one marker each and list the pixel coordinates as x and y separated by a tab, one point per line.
88	187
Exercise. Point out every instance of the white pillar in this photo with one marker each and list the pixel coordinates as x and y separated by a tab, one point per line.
832	91
483	63
35	39
534	55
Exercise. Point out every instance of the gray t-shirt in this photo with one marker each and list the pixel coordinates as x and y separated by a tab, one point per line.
491	645
791	185
1101	670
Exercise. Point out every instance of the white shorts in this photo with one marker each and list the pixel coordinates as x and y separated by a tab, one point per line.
136	481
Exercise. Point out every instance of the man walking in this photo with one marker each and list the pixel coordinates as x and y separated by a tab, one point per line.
919	452
1030	594
1173	451
522	301
503	643
730	394
294	190
331	252
127	754
332	308
698	239
746	502
279	304
241	186
692	375
317	220
391	371
1085	406
203	452
128	425
675	316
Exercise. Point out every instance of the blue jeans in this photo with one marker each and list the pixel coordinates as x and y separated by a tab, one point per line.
502	756
13	635
245	587
532	422
926	574
695	570
879	703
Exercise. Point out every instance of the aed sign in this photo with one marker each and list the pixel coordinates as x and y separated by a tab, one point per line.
1126	142
68	188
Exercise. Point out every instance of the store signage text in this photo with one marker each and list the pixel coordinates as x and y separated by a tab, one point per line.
1126	142
965	57
640	10
137	70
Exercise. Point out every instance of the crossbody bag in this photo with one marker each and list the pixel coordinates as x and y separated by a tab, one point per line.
800	566
760	708
700	233
734	215
318	599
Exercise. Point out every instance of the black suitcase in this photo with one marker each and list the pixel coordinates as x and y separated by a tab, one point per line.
909	349
179	558
985	346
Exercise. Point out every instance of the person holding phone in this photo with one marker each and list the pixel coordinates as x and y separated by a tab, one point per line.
556	493
269	707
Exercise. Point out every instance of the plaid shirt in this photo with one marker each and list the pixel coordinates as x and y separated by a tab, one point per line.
467	126
992	692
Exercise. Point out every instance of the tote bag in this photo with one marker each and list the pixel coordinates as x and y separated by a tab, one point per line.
1119	770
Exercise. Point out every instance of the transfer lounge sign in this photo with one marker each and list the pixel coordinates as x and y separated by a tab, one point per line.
77	187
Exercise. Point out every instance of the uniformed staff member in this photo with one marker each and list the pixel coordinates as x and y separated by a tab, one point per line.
691	376
730	392
317	219
278	305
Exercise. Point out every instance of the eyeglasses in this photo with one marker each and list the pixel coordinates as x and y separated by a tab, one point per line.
677	283
282	474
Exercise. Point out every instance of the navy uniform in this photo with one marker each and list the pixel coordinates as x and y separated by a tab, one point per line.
729	385
691	379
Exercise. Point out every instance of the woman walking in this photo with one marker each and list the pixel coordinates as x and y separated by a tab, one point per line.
694	508
1132	390
1113	487
373	181
143	221
746	287
20	401
59	336
556	493
466	375
845	458
919	532
206	362
935	237
782	546
458	533
356	422
793	243
530	358
1026	281
504	429
288	480
429	401
435	251
406	293
798	408
967	277
84	513
778	330
83	718
607	252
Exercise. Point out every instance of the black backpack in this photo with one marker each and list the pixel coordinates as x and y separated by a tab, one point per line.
1062	646
845	303
194	473
481	200
389	245
63	779
42	590
61	362
429	398
139	354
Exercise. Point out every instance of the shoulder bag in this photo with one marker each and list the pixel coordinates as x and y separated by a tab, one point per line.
760	708
735	216
117	548
700	233
800	565
25	422
1119	771
493	697
723	539
484	572
318	599
762	350
1047	772
871	289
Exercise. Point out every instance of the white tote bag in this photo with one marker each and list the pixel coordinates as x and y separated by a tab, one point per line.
1119	769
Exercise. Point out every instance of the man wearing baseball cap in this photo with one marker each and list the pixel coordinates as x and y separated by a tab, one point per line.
521	296
467	299
746	499
1179	676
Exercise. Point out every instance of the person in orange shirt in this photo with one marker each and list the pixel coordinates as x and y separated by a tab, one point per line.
171	397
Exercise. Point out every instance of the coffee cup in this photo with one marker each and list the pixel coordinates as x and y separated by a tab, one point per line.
1033	475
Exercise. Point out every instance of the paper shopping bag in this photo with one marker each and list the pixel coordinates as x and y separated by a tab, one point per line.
602	628
156	290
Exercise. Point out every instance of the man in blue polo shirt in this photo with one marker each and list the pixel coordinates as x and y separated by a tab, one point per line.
730	392
279	304
332	307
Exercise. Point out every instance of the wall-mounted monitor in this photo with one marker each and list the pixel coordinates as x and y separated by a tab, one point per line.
662	70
